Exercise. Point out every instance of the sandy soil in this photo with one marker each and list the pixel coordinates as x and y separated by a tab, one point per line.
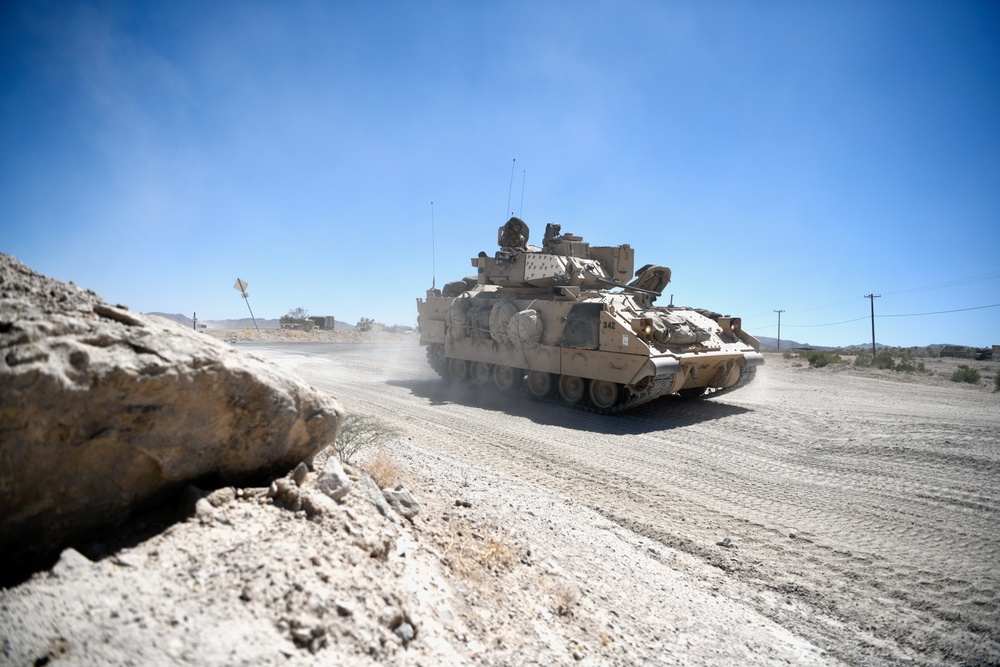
860	505
819	516
237	336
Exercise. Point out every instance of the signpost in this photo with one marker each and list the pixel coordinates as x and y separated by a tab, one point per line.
241	286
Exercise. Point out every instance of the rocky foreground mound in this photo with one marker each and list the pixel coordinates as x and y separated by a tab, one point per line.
103	411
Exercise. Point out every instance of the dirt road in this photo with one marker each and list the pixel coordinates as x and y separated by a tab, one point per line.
858	511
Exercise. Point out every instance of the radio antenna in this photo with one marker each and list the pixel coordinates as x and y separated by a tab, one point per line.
524	176
433	268
511	188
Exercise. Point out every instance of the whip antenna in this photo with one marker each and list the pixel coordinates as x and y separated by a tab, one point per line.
433	268
511	188
524	176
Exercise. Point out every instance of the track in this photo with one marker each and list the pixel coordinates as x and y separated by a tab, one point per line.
659	388
862	513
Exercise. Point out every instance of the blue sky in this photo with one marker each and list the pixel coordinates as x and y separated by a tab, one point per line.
776	155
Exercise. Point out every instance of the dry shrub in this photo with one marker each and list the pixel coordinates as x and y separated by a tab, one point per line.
821	358
357	433
360	432
566	597
383	469
470	553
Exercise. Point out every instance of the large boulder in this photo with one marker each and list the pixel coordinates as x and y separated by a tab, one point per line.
103	410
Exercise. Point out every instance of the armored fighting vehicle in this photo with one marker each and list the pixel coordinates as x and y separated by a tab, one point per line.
561	321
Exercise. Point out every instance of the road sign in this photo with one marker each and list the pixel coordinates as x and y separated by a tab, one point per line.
241	286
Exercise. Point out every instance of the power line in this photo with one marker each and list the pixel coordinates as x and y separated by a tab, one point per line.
951	283
942	312
828	324
858	319
829	305
958	282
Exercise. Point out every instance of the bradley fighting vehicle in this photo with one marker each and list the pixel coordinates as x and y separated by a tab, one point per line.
561	320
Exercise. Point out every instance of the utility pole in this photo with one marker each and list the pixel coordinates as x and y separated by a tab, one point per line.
779	328
872	297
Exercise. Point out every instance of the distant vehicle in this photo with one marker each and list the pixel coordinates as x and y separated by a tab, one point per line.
561	321
959	351
297	323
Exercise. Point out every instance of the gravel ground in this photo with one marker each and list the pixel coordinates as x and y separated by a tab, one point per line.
819	516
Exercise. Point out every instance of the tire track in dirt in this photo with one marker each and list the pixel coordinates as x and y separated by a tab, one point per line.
893	504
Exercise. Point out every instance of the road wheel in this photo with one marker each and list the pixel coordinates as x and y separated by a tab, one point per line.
435	357
458	369
539	384
506	378
480	373
604	394
572	389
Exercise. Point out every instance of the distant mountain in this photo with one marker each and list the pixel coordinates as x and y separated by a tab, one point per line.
863	346
772	344
244	323
767	343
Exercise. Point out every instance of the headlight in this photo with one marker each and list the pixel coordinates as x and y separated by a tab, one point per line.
642	326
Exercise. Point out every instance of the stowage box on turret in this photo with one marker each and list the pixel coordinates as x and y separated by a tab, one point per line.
574	321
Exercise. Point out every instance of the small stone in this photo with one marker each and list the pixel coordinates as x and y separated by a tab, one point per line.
405	632
402	501
204	510
316	504
286	491
69	560
333	481
222	497
128	560
375	495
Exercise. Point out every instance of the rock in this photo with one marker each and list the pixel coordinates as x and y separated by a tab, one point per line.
301	473
315	503
204	510
103	410
286	492
222	497
405	632
70	561
128	560
333	481
375	495
400	500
